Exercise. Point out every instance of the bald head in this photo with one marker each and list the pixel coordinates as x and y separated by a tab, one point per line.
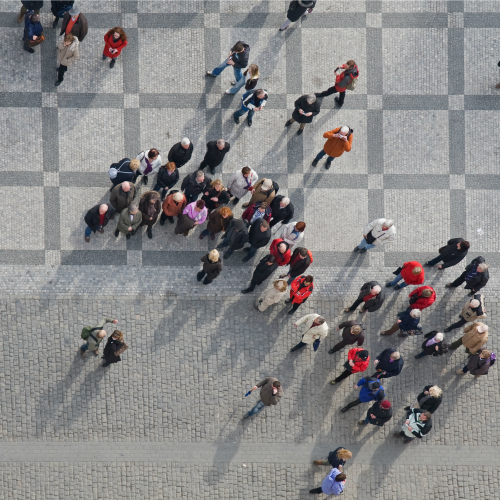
376	289
126	186
101	334
103	208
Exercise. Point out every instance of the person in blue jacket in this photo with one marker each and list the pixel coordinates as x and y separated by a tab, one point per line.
371	390
407	324
32	30
333	484
389	363
252	101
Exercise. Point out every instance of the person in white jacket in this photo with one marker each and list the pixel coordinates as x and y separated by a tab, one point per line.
377	233
316	330
272	296
293	233
241	182
150	164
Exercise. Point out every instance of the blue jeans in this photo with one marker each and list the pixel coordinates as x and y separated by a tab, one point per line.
88	232
258	407
397	279
367	421
237	87
251	252
366	245
321	154
238	75
433	262
243	110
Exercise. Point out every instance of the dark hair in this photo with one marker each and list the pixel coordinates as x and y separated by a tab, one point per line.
264	223
465	245
300	226
340	477
427	414
309	278
153	152
271	258
259	91
363	354
375	385
276	383
350	63
246	170
238	47
303	252
200	204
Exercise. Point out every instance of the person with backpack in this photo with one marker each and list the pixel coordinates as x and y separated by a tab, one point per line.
93	336
346	79
124	170
370	390
300	261
252	101
479	364
150	164
59	8
33	31
472	310
27	5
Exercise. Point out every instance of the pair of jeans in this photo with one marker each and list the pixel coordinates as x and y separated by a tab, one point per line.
366	245
397	279
238	74
206	232
251	252
256	409
113	58
239	83
433	262
88	232
242	111
321	154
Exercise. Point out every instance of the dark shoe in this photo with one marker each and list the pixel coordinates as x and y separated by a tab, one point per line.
117	233
407	441
331	351
30	50
343	410
427	264
288	123
397	287
212	236
407	408
288	301
356	249
291	311
362	422
337	100
104	57
162	222
145	179
128	236
112	63
185	233
236	120
101	230
449	285
402	335
246	259
284	29
247	249
363	250
293	349
54	24
388	284
385	332
249	122
202	236
333	382
212	170
170	219
112	217
199	276
58	82
87	239
314	163
105	364
226	256
247	290
397	434
150	232
447	330
471	294
209	73
328	164
300	131
235	200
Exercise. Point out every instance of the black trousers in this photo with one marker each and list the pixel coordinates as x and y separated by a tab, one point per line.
352	404
164	217
331	91
300	345
339	346
459	280
200	275
458	324
343	375
356	304
60	72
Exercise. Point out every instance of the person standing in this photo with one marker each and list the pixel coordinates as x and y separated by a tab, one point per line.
357	362
122	196
270	394
235	238
300	290
252	101
432	345
249	80
212	267
343	81
352	332
472	310
418	423
27	5
379	414
407	323
282	210
258	237
264	190
150	164
451	254
167	178
296	10
388	363
476	275
150	207
375	234
215	195
300	261
33	31
281	251
216	151
193	215
242	182
428	400
339	140
194	184
67	54
97	219
336	458
421	298
411	273
306	107
272	296
475	336
316	330
115	40
264	269
259	210
479	364
293	233
181	152
172	207
218	220
123	171
237	58
75	22
370	390
59	8
130	220
333	484
115	347
372	295
95	335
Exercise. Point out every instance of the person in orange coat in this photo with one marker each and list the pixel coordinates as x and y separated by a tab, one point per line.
422	297
339	140
412	273
300	289
114	42
173	206
357	362
281	250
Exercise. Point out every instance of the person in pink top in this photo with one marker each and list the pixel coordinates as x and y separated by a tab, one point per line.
193	215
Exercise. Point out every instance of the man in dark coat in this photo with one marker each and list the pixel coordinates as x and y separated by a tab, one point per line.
455	250
389	363
476	275
29	5
299	262
59	8
97	219
194	184
258	237
296	10
282	210
235	238
237	58
80	26
33	30
372	295
305	108
378	414
216	150
181	152
418	423
122	196
352	332
264	269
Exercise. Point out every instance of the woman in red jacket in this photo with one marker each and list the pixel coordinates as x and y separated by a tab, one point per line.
422	297
350	71
281	250
357	362
300	289
412	273
114	42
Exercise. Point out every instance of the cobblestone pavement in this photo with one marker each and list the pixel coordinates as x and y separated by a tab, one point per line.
166	422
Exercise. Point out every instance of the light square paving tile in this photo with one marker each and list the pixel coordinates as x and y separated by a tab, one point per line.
212	20
130	100
181	67
52	258
415	6
134	258
482	151
373	20
22	230
411	147
345	6
375	101
457	181
83	132
481	6
100	6
49	100
456	20
375	181
21	126
322	232
160	6
433	227
254	6
399	47
51	179
481	216
455	102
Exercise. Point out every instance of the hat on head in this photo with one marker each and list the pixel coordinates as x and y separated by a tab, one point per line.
385	404
74	11
363	355
267	184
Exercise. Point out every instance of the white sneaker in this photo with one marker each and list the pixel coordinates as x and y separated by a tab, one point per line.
228	91
209	73
233	83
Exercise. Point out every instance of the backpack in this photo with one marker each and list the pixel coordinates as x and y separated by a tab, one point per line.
310	256
113	172
87	332
352	84
63	10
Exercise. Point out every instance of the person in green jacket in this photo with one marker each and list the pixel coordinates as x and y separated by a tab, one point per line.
130	220
95	337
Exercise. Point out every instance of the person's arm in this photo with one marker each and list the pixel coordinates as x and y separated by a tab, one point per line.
329	135
185	182
454	261
370	226
262	382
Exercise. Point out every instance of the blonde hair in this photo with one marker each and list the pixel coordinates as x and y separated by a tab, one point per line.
134	164
213	255
417	270
435	391
225	212
344	454
217	182
281	285
253	69
356	329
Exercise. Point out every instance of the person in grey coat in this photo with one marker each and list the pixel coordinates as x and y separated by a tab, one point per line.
97	334
270	394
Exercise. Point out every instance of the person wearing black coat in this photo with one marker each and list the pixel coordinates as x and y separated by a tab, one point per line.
29	5
194	184
299	262
455	250
418	423
167	178
235	238
432	345
296	10
372	295
264	269
126	171
215	190
237	58
258	237
212	267
378	414
216	150
181	152
59	8
350	335
429	399
97	219
282	210
336	458
114	348
306	107
476	275
389	363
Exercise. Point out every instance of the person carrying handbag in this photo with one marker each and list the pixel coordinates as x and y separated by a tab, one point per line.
33	31
357	362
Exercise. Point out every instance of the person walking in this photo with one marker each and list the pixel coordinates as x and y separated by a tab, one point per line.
432	345
27	5
407	324
479	364
94	335
242	182
300	261
412	273
476	275
215	195
372	295
352	332
115	40
296	10
376	233
33	31
74	22
421	298
339	140
473	309
218	220
333	484
237	58
129	222
194	184
212	267
258	237
150	164
249	80
316	330
150	207
428	400
293	233
346	79
272	296
451	254
357	362
123	171
235	238
264	190
282	210
59	8
181	152
115	347
97	219
388	363
122	195
336	458
300	290
67	54
216	151
172	207
270	394
475	336
379	414
259	210
193	215
167	178
370	389
418	423
306	107
264	269
252	101
281	251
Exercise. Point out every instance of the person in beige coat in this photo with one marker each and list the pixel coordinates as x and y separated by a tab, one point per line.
316	330
475	336
130	220
67	54
262	191
472	310
272	296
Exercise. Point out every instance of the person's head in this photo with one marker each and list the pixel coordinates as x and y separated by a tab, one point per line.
221	143
35	18
340	477
344	130
133	208
481	328
74	11
386	405
426	415
310	98
426	293
435	391
485	354
356	329
267	184
246	171
213	256
376	290
170	166
271	259
101	334
300	226
217	184
117	33
118	335
350	63
264	226
263	206
225	212
134	164
200	205
363	355
284	202
178	197
103	208
153	154
482	267
395	355
416	270
344	454
185	143
282	248
253	70
438	337
319	320
415	313
280	285
464	245
474	303
260	93
276	386
308	280
153	196
303	253
200	176
68	39
387	224
126	186
238	47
